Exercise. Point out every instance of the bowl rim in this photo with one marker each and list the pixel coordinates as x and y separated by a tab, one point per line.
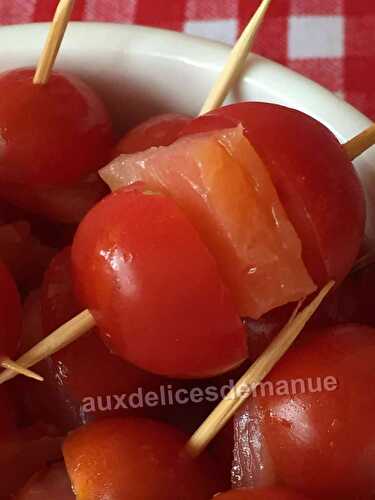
291	87
278	83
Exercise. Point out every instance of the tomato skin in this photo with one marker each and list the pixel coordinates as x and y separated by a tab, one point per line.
23	254
303	158
85	369
159	130
136	458
50	134
24	453
10	314
319	441
224	188
276	493
7	414
65	204
351	302
52	482
154	289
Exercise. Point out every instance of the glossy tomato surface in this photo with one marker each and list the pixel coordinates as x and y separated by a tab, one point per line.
160	130
137	459
225	189
85	377
310	425
10	314
51	483
154	289
50	134
315	180
276	493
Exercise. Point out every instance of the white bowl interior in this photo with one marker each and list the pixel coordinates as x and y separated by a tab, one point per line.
142	71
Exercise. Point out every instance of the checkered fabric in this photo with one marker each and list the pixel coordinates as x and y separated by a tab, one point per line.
330	41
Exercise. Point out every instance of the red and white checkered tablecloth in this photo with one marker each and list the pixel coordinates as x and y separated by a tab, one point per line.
331	41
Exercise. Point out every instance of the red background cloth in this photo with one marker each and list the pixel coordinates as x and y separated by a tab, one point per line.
330	41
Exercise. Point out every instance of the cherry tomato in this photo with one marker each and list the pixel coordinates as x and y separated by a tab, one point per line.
10	314
7	414
66	204
226	191
50	483
160	130
352	302
276	493
23	454
24	255
85	376
315	180
154	289
50	134
34	402
310	425
136	458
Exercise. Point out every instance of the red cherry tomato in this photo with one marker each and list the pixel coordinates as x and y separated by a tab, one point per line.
310	426
85	376
315	180
24	453
154	289
136	458
24	255
50	483
276	493
10	314
7	414
160	130
50	134
66	204
352	302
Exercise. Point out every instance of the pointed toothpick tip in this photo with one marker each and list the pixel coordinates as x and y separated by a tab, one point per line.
9	364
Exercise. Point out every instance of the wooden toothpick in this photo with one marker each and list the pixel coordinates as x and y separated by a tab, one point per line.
53	42
14	367
360	143
236	61
60	338
253	377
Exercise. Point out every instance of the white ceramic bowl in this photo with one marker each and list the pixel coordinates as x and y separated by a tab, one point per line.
143	71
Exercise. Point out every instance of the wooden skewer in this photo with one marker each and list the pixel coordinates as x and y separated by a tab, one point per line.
59	339
360	143
82	323
236	61
53	42
14	367
253	377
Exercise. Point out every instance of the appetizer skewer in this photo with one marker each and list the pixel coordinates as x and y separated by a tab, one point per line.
360	143
10	325
236	61
193	236
85	321
53	42
254	376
